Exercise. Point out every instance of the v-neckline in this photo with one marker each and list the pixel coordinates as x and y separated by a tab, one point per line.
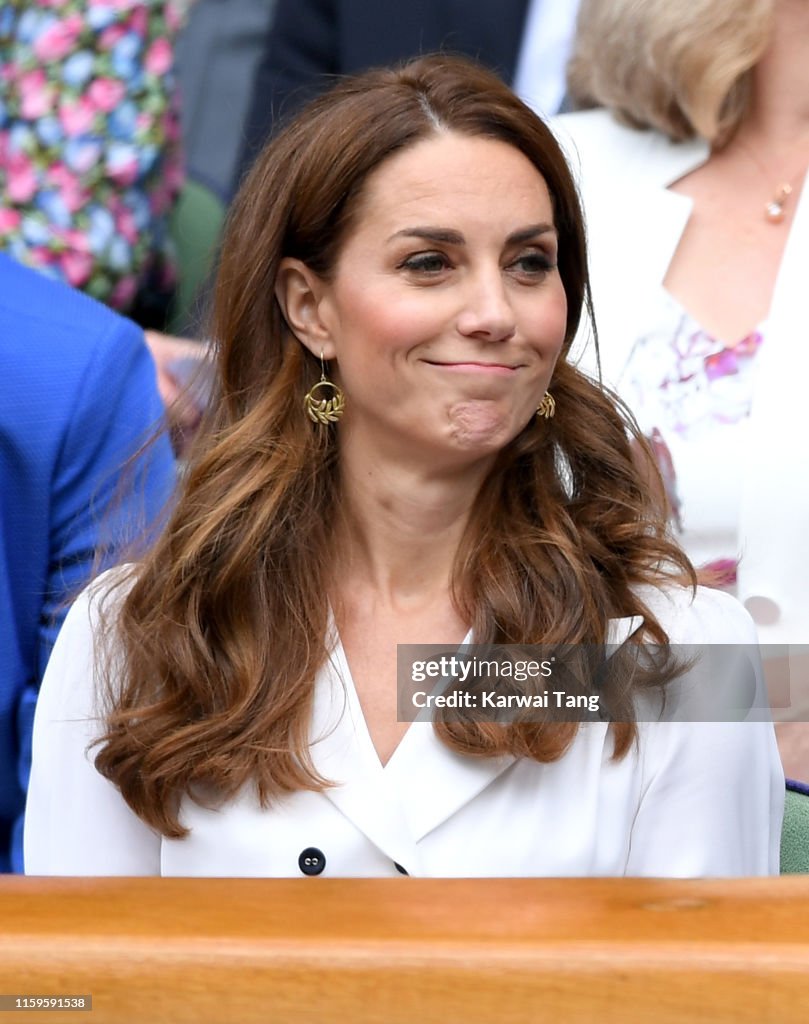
339	665
396	804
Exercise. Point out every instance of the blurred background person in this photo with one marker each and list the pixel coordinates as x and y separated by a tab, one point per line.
692	175
311	41
217	53
77	399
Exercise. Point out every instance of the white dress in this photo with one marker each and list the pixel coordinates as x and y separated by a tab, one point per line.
689	799
691	394
634	225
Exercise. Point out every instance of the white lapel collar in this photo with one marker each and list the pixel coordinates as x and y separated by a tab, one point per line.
343	753
656	218
635	206
662	162
434	782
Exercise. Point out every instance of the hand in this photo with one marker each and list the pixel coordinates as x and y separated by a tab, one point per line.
177	360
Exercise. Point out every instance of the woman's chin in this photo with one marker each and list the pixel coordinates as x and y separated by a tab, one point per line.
482	427
481	424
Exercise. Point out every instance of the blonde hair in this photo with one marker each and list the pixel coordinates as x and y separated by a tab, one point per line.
679	66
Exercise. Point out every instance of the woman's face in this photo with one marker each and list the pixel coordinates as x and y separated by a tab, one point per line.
446	312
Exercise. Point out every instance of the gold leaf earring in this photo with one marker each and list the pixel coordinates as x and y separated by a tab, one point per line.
547	407
324	410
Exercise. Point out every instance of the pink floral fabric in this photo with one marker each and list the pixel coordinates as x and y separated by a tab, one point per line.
692	394
90	160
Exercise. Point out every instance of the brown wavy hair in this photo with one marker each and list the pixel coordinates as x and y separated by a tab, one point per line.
222	626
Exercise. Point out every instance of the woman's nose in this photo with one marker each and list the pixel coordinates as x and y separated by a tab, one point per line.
487	312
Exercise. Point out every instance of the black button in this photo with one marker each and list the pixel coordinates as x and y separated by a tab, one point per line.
312	861
400	869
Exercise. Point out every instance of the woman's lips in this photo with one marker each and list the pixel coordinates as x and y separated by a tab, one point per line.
498	369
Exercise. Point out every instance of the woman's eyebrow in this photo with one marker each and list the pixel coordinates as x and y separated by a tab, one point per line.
534	231
447	236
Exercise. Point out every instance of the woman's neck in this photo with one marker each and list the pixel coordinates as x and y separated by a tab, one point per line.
778	117
400	528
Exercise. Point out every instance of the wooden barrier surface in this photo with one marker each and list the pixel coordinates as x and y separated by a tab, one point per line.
409	951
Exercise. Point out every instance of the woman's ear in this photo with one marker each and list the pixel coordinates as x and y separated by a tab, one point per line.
299	291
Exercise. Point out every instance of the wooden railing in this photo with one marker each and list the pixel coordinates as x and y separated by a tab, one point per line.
408	951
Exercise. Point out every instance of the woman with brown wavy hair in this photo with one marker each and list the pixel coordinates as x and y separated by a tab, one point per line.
400	453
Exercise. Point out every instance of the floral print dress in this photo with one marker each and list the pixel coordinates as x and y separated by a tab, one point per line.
90	161
692	394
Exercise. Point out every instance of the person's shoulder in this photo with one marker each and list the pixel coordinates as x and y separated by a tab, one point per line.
111	585
67	357
700	615
598	122
719	679
109	588
48	315
603	150
95	608
587	134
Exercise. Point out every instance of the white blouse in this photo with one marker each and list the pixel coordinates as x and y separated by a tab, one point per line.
689	799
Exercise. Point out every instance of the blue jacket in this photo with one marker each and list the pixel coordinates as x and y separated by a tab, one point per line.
77	396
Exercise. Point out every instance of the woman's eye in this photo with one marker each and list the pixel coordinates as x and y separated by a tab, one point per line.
534	264
426	263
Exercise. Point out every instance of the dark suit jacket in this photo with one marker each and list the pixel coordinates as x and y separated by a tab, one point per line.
311	40
77	398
